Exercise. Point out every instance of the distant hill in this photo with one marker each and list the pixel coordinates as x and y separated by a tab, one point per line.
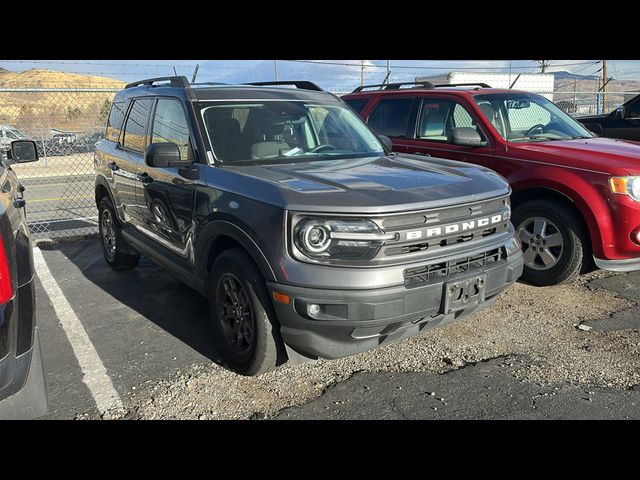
572	76
39	112
40	78
566	82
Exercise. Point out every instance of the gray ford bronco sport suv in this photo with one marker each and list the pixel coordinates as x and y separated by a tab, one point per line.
309	237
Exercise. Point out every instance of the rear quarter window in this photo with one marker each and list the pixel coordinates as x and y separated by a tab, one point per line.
114	123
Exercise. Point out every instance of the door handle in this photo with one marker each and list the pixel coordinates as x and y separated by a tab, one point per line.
113	166
421	153
144	178
19	202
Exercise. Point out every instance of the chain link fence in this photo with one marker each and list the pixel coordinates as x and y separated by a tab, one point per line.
67	123
578	104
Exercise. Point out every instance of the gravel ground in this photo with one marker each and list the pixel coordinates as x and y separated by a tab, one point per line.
541	323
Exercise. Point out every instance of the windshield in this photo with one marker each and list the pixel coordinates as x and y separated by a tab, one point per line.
256	132
523	117
15	134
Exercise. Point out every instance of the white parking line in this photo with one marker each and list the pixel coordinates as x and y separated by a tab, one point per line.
94	373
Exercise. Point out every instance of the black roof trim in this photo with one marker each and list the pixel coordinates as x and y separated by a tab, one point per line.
301	84
180	81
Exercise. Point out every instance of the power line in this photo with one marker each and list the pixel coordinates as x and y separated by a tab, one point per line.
427	67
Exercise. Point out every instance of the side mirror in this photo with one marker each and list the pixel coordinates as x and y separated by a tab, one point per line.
466	137
23	151
386	141
164	154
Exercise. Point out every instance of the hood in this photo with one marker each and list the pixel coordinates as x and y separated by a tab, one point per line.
599	154
374	184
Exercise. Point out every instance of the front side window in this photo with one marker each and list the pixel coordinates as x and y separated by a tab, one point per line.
439	117
292	131
135	129
391	117
170	125
525	117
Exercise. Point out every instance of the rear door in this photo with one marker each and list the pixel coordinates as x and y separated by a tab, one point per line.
395	117
436	118
165	195
133	141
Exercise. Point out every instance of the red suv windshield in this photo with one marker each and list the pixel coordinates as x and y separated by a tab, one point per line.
524	117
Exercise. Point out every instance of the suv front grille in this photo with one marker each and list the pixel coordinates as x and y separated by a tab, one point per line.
418	276
420	234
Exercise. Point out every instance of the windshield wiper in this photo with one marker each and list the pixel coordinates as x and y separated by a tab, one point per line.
578	137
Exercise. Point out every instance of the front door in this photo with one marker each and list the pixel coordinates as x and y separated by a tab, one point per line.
437	117
628	127
165	196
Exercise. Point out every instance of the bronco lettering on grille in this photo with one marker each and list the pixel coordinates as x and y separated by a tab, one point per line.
456	227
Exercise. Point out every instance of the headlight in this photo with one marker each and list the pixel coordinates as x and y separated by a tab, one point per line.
339	239
626	186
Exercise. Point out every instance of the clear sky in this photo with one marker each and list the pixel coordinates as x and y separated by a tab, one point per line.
336	75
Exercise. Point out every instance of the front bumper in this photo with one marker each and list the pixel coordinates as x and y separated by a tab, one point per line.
359	320
626	265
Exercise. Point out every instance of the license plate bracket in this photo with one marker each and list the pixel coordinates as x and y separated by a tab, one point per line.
464	293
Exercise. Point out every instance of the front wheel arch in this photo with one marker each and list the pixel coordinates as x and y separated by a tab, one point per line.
521	196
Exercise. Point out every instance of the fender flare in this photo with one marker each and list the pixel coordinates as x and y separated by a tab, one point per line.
586	199
223	227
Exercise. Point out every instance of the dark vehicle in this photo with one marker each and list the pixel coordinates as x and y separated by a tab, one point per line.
623	122
87	143
576	198
59	144
308	236
22	385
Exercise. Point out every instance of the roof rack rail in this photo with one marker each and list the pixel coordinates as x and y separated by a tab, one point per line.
393	86
209	83
473	84
176	81
302	84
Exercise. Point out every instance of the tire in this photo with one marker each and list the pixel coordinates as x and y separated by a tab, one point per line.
562	226
248	340
117	252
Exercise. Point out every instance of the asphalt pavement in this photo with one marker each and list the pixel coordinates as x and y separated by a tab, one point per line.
150	335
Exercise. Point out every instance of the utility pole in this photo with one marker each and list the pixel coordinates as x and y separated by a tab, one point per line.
604	85
362	74
388	71
275	67
195	73
543	65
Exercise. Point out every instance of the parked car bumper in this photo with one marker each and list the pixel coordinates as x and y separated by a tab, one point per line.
621	248
627	265
353	321
22	383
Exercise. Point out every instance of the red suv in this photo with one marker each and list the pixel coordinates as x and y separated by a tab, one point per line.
575	198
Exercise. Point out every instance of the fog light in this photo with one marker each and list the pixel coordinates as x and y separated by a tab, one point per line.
313	309
635	236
